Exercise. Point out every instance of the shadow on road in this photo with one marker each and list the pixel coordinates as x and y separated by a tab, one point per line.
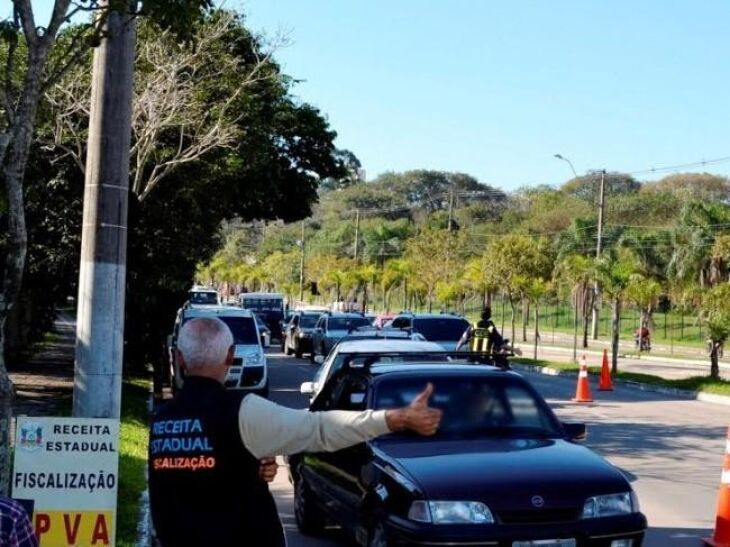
676	537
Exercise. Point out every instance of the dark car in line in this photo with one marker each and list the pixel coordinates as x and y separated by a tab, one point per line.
443	328
297	335
501	471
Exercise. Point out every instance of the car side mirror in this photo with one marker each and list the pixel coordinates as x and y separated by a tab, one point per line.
575	431
319	359
307	388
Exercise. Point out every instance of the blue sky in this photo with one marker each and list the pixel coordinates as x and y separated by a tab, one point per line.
495	88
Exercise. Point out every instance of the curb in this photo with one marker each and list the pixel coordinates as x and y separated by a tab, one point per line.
669	361
680	393
144	520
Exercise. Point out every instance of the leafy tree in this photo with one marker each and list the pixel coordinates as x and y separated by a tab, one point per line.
577	273
586	187
692	186
535	290
644	293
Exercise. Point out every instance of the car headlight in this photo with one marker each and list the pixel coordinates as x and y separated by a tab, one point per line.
450	512
303	334
254	358
610	505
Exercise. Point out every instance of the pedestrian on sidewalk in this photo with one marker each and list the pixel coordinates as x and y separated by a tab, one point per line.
207	486
16	529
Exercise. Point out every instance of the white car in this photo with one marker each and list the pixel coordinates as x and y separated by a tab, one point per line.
249	370
203	297
351	348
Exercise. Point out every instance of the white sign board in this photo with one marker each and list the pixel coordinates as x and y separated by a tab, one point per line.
68	467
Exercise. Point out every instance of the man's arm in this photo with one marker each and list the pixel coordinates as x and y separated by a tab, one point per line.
268	429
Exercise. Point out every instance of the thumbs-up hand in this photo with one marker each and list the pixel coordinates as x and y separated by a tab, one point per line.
417	416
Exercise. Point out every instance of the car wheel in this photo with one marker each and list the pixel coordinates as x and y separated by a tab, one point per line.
309	518
298	350
312	355
378	536
287	349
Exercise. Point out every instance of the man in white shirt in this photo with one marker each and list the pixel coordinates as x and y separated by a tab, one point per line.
206	446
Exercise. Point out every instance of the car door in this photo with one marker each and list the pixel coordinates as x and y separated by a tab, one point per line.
337	474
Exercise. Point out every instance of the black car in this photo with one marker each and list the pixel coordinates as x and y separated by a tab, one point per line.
297	335
501	471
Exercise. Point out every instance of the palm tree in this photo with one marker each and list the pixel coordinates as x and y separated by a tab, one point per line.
644	293
535	290
577	272
716	315
614	270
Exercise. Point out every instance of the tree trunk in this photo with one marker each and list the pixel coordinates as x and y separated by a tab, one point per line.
714	361
537	332
514	311
615	325
525	318
15	154
575	329
588	296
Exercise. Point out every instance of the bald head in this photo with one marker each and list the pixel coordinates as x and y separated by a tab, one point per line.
204	342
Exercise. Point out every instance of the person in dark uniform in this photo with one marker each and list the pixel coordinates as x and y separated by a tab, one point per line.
483	335
206	483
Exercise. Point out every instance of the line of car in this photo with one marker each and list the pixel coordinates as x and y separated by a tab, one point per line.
502	470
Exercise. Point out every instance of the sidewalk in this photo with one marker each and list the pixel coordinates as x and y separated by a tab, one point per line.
46	378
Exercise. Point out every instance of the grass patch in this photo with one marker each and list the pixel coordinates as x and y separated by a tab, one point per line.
133	435
698	384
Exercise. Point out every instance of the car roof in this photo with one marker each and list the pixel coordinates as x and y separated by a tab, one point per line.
346	314
433	369
309	312
432	316
386	345
218	310
200	288
262	294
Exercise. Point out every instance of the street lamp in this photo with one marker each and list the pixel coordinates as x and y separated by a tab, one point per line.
569	163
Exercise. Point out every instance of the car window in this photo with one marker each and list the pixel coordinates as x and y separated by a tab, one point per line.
203	298
441	328
347	323
475	406
400	323
308	321
348	393
242	328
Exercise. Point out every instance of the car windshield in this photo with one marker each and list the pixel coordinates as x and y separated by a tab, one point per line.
308	321
475	407
264	304
242	328
441	328
347	323
203	297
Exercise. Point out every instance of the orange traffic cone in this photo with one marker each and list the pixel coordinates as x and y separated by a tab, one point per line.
583	390
722	524
606	384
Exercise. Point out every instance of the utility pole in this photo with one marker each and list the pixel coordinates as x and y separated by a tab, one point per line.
102	277
357	232
599	248
301	266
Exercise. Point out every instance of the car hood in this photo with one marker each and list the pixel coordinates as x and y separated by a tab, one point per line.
448	345
504	473
337	333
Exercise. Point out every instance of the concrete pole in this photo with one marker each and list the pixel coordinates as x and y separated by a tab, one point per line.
599	248
100	320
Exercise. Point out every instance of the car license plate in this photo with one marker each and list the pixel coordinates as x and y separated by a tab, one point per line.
545	543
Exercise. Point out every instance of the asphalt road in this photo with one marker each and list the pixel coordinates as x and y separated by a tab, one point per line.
671	449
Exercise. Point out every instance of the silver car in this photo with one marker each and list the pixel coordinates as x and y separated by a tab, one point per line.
331	327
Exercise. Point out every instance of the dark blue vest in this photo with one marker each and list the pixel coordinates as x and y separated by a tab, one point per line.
204	484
